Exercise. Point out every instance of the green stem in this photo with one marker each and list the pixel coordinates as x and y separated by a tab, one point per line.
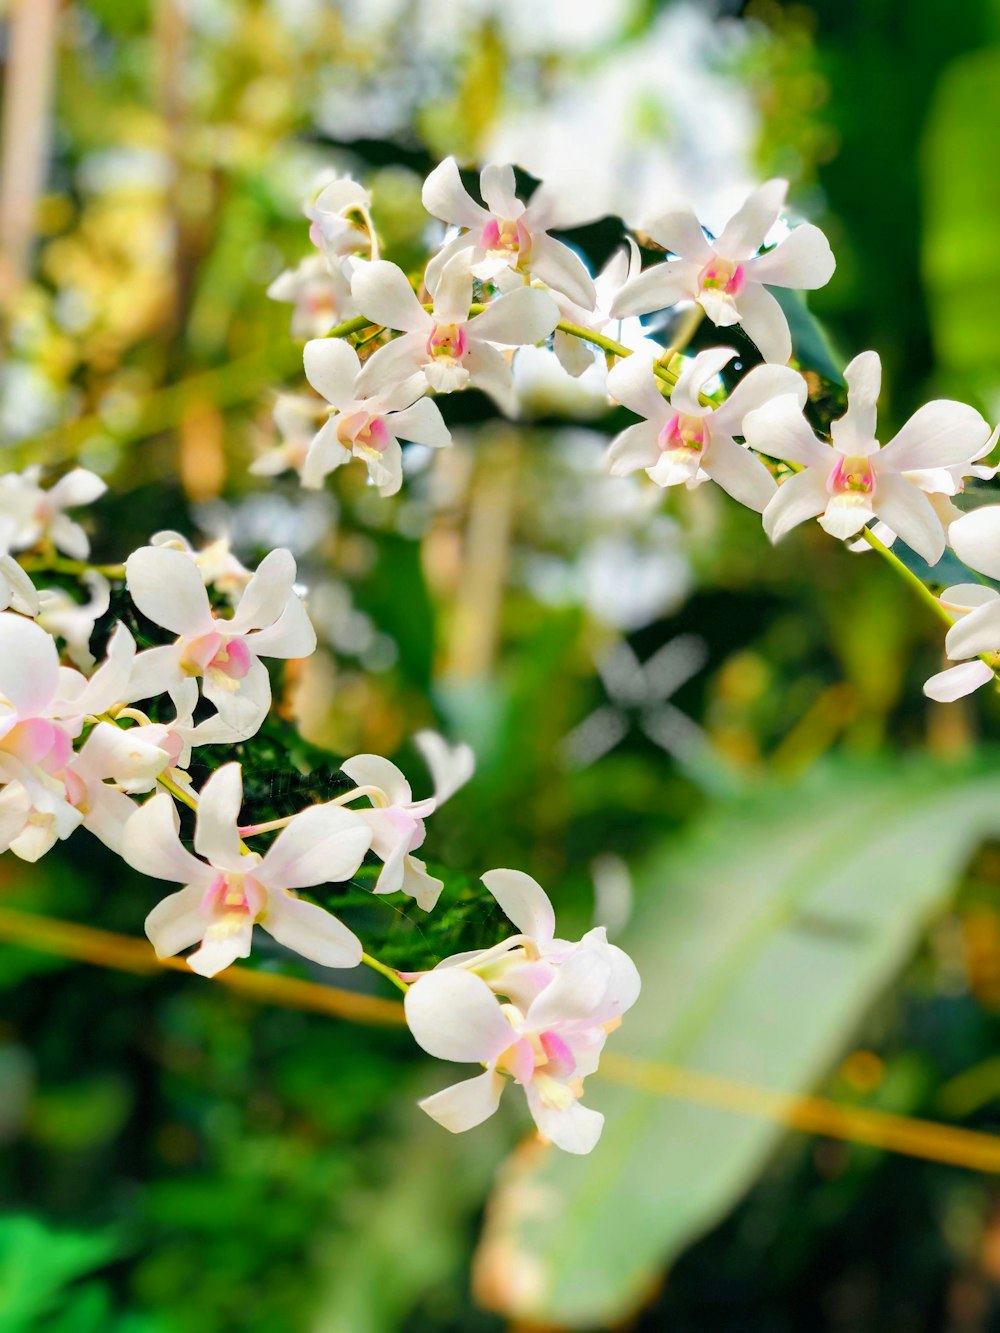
386	971
917	584
58	564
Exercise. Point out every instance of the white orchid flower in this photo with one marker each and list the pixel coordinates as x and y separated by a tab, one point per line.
947	482
537	1012
72	621
522	965
728	277
507	240
320	293
29	514
397	820
42	710
852	480
230	890
445	346
341	220
270	621
575	354
684	441
368	426
297	417
976	630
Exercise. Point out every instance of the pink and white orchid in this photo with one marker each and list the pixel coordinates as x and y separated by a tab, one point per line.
537	1011
297	417
728	277
368	426
445	346
397	820
230	890
507	240
30	515
73	621
852	480
341	220
225	653
320	293
43	707
685	441
976	631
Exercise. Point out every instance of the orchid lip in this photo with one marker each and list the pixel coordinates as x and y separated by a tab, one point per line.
852	477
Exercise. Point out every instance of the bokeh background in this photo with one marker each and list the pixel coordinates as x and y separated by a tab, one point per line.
719	748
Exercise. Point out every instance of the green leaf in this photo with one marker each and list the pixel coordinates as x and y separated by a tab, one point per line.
961	202
38	1264
762	939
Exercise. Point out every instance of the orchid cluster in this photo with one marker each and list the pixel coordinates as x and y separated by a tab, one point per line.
114	745
112	748
502	281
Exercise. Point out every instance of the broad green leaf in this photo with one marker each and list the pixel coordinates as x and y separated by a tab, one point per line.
961	203
762	938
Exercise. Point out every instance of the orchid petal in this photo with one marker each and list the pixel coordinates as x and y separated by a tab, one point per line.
499	190
802	260
166	587
523	316
29	665
383	294
939	434
216	836
572	1127
957	681
739	473
681	233
799	498
454	1015
694	375
152	846
779	430
763	321
975	538
422	423
657	288
467	1104
562	269
634	448
331	367
523	901
176	923
445	197
323	844
310	931
747	229
911	516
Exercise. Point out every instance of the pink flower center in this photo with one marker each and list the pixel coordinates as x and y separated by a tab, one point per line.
213	652
852	476
502	236
723	276
358	430
682	432
233	894
447	340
